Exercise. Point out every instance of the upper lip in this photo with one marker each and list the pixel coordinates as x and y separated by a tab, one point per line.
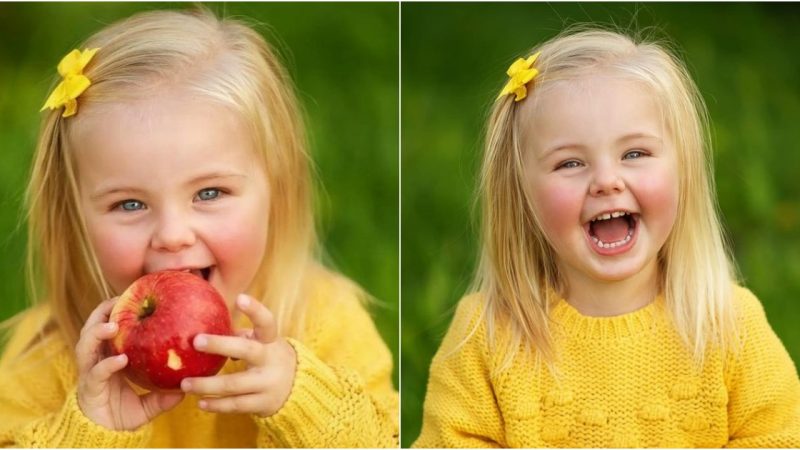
178	269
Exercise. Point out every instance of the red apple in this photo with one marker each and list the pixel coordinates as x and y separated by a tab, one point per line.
158	316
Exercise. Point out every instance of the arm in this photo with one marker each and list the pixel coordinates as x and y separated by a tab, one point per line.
38	401
342	394
460	406
764	391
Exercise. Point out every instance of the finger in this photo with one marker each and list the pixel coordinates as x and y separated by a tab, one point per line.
246	333
264	328
99	375
88	350
225	385
154	403
99	314
253	352
249	403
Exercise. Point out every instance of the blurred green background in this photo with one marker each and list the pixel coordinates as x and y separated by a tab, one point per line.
344	60
454	56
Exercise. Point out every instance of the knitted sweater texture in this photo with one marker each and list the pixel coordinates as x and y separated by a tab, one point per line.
342	394
624	381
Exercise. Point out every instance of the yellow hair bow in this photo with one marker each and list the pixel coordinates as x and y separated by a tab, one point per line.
521	73
73	84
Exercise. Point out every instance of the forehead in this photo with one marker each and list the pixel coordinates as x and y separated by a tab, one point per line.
161	135
589	110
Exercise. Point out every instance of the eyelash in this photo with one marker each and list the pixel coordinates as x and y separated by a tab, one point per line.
121	204
640	152
564	165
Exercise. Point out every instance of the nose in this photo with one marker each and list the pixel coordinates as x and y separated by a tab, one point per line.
172	233
606	181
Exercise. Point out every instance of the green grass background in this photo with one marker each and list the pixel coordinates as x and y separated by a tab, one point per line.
454	57
344	60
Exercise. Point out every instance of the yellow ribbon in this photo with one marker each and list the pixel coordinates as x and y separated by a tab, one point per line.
73	84
521	73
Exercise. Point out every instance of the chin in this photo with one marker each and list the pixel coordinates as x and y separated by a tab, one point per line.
619	270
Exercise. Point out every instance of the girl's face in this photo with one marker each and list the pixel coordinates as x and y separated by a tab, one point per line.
172	182
595	148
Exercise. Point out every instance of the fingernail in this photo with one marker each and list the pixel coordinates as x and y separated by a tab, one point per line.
243	301
110	326
200	341
186	385
121	357
202	404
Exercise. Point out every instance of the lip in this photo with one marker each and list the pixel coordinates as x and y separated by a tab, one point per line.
614	250
190	269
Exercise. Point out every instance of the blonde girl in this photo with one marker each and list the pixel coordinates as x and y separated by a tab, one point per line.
606	311
173	141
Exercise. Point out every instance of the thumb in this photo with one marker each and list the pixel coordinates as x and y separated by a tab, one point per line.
155	403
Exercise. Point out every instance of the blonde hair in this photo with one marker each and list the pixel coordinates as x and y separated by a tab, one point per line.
517	269
228	62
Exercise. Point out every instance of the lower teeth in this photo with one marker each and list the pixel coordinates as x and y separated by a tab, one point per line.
624	241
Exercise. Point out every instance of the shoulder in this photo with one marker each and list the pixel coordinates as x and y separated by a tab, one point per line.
37	362
338	326
467	334
470	314
745	301
29	331
754	333
333	293
334	304
747	308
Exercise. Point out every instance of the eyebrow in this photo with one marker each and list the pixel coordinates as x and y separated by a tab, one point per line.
625	138
106	191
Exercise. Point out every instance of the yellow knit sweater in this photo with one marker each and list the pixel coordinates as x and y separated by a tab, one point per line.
624	381
342	394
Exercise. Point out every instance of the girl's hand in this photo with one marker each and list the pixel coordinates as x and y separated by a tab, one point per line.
266	383
104	395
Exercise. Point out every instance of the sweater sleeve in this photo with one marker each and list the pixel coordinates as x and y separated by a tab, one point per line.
764	391
460	408
342	394
38	401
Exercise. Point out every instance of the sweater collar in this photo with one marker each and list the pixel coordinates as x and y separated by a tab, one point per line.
571	322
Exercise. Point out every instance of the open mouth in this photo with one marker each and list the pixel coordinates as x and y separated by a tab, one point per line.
612	232
204	273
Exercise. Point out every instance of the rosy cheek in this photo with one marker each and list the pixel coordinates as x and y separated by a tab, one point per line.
558	206
119	255
658	195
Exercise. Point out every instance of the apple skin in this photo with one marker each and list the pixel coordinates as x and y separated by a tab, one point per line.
158	317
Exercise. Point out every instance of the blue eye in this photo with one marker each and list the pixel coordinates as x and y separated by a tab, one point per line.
571	164
633	154
130	205
208	194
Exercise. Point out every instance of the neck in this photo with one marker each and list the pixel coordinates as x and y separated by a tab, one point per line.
601	298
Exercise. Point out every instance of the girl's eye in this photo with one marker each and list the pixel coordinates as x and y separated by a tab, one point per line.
130	205
208	194
571	164
633	154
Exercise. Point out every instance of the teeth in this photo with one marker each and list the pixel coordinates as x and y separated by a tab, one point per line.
624	241
607	216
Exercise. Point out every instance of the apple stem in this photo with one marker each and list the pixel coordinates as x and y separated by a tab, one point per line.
148	307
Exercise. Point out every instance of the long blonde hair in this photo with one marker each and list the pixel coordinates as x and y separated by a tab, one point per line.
223	59
517	265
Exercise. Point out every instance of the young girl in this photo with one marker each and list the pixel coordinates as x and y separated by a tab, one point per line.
606	312
173	141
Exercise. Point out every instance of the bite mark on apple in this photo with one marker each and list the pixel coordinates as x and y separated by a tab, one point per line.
174	361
